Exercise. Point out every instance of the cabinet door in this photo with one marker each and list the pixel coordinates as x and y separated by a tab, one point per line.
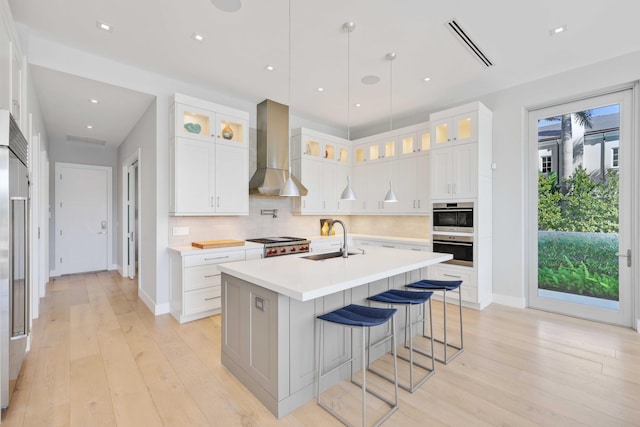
231	131
311	177
407	185
465	171
192	179
442	133
231	179
195	123
359	186
465	128
341	173
329	196
440	174
423	196
5	63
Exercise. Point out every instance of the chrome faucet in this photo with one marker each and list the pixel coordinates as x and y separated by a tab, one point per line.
345	249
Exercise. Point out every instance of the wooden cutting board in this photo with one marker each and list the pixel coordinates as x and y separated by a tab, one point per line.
208	244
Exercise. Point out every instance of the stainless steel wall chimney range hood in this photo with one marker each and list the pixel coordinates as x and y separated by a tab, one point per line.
273	151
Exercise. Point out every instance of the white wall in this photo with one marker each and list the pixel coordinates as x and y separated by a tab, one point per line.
142	140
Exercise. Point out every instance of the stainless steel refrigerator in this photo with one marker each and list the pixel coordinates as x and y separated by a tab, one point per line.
14	262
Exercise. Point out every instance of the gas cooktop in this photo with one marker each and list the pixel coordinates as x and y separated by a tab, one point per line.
277	240
275	246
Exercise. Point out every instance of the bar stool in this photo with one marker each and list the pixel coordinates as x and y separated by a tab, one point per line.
408	299
358	316
444	286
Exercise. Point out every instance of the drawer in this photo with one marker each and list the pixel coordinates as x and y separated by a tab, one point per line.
446	272
202	300
213	258
201	277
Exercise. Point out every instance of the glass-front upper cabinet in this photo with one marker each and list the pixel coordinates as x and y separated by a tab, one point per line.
415	143
232	130
455	130
382	150
198	123
195	123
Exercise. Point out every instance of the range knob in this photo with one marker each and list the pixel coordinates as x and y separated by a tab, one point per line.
293	249
283	250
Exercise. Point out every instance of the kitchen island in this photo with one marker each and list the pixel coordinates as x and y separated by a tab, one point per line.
269	338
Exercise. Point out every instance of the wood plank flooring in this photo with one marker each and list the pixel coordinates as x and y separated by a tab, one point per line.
100	358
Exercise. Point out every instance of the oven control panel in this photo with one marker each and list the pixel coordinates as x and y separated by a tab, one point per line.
286	249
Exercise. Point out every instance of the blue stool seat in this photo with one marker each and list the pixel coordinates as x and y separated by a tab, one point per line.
359	315
398	296
444	286
364	317
449	285
408	299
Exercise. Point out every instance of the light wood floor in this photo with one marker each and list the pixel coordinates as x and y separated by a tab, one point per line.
99	358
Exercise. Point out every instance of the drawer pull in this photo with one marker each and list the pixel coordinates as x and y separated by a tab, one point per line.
388	246
217	257
209	299
452	275
210	276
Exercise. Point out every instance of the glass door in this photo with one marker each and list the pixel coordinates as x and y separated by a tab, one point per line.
580	231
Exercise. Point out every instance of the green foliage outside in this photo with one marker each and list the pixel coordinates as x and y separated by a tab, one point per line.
569	260
579	263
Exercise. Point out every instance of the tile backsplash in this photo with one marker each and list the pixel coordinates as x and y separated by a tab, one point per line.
286	224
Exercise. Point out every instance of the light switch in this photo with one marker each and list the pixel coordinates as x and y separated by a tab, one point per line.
180	231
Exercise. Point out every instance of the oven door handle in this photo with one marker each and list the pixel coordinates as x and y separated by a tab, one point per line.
440	242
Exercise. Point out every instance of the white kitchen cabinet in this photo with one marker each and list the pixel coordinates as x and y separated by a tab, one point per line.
209	178
455	129
321	163
414	143
454	172
209	173
413	185
461	153
196	119
371	183
469	286
195	281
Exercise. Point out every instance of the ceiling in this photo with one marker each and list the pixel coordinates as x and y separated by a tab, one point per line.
157	35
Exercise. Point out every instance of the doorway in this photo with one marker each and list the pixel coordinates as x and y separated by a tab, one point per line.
131	204
83	218
580	170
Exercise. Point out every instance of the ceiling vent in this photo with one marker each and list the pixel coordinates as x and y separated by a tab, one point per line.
95	141
461	35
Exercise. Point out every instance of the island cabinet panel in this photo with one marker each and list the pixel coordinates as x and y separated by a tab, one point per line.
270	341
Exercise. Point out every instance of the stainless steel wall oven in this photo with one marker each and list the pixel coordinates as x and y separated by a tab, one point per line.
461	247
455	216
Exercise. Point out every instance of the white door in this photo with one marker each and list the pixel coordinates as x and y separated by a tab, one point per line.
131	218
581	208
83	218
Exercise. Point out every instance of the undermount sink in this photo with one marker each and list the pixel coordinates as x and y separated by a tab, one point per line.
327	255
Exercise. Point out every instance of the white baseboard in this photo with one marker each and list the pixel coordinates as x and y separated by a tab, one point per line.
113	267
53	273
516	302
156	309
638	326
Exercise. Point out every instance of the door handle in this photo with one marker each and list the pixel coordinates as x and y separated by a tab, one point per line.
628	255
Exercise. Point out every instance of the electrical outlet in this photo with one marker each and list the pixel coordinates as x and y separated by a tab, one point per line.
180	231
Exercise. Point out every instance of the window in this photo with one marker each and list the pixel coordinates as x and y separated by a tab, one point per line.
614	157
546	164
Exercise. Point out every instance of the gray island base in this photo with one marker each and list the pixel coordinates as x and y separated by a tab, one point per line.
269	306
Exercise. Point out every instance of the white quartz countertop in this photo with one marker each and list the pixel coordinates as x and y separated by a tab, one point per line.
192	250
305	280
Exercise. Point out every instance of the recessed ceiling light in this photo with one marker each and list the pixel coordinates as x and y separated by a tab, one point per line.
320	89
197	37
269	67
370	80
89	126
104	26
227	5
93	101
357	105
557	30
427	79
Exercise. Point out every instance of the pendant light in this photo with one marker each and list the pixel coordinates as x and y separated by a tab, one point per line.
289	188
391	195
348	27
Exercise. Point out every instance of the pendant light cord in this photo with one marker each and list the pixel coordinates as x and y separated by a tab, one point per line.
349	85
